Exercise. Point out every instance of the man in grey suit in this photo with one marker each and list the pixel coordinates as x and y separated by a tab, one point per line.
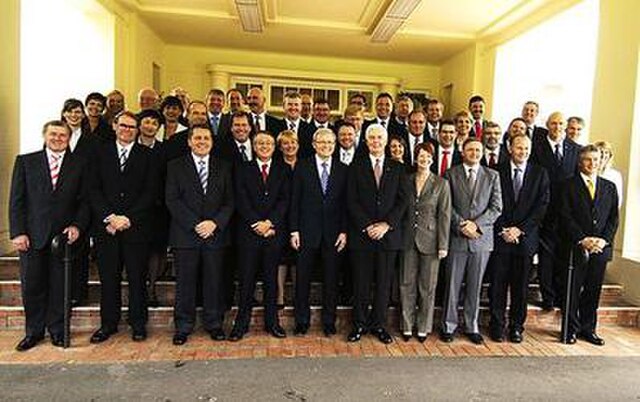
477	203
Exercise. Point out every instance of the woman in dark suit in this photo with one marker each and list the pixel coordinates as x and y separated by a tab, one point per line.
426	241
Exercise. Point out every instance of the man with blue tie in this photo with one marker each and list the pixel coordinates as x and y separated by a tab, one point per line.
215	104
48	197
262	200
199	195
318	227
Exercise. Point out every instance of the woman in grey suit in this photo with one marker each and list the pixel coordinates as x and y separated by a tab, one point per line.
426	242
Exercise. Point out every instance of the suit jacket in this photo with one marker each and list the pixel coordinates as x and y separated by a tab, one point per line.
582	217
313	214
503	158
227	149
368	204
305	140
89	142
483	205
407	152
189	205
527	213
427	222
177	145
39	211
132	192
224	126
256	201
435	166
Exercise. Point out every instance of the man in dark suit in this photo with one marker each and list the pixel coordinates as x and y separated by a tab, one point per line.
262	200
321	115
377	194
200	196
493	154
589	217
215	105
259	119
177	145
416	135
525	197
48	197
446	153
559	156
236	148
292	105
575	124
123	192
435	110
530	111
478	123
346	147
384	108
477	203
235	101
318	226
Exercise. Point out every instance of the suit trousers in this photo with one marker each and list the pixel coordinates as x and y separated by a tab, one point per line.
250	262
188	262
368	265
587	286
418	280
510	272
306	262
42	277
470	267
113	254
551	268
80	275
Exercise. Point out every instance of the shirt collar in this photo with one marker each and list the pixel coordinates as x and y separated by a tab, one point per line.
374	158
127	147
522	166
586	178
197	158
51	154
260	163
320	161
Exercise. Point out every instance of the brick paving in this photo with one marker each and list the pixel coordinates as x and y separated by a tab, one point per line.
540	340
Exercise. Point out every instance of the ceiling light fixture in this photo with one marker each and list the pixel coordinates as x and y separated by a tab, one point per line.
392	19
250	15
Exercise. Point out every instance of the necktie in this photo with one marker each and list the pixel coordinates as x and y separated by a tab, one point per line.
265	174
434	133
478	130
324	178
592	188
214	124
292	126
203	174
416	142
492	159
123	159
346	157
558	154
243	153
444	165
256	121
517	182
54	169
383	123
529	131
471	180
377	172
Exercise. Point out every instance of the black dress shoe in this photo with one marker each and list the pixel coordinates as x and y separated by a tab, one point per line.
329	329
139	335
153	303
383	335
236	334
422	338
57	340
217	334
356	334
546	306
277	331
180	338
101	335
515	336
592	338
475	337
28	342
446	337
301	329
496	334
571	339
406	337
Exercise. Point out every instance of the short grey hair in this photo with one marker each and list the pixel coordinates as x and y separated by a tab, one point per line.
373	128
324	131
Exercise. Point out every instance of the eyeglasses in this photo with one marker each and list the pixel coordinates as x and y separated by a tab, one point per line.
126	126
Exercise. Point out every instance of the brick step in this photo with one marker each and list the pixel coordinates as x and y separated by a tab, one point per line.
88	318
10	293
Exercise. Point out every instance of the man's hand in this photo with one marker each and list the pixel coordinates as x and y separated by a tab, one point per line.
21	243
118	222
469	229
72	233
270	233
295	240
206	228
261	227
111	229
341	242
377	230
511	234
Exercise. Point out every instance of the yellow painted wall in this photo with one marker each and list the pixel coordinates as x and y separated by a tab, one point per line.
9	107
460	72
186	66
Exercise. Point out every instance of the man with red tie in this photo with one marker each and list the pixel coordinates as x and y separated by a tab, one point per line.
446	153
48	197
494	155
477	108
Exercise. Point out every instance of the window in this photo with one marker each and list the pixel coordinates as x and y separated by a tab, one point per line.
74	56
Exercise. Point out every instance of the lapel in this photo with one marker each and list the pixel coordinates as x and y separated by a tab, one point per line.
193	172
64	170
45	173
212	176
584	191
386	172
462	172
429	183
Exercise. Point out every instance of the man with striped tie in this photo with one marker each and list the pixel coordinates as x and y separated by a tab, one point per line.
123	192
199	195
48	193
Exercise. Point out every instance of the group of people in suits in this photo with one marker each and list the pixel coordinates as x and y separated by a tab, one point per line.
407	195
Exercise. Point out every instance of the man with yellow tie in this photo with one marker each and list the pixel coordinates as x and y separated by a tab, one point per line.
589	216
